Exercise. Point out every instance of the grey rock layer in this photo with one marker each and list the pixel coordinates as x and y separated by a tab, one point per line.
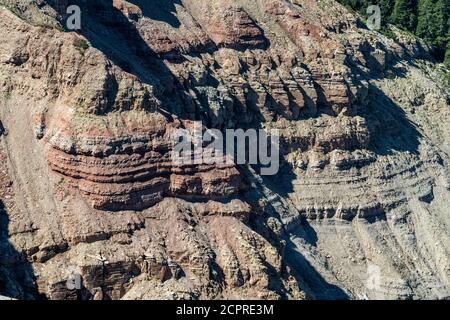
359	209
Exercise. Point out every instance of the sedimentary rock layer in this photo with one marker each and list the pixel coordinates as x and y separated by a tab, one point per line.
89	187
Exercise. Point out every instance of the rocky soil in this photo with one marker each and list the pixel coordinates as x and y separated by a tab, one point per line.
359	209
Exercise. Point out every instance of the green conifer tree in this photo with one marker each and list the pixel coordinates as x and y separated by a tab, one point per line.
404	14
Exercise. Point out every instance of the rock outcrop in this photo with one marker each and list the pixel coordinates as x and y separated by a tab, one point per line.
134	170
89	187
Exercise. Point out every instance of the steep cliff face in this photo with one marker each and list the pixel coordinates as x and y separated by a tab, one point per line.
359	209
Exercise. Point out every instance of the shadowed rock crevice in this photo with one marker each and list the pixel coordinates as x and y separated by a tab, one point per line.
17	279
390	129
305	274
159	10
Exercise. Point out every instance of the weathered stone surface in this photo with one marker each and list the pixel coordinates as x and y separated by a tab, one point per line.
88	186
135	169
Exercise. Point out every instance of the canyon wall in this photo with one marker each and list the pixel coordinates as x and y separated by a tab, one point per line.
88	186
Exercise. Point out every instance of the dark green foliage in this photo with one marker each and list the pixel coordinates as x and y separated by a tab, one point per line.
386	7
428	19
432	22
404	14
447	55
81	44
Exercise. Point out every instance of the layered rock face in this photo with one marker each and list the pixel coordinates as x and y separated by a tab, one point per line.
92	191
135	170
